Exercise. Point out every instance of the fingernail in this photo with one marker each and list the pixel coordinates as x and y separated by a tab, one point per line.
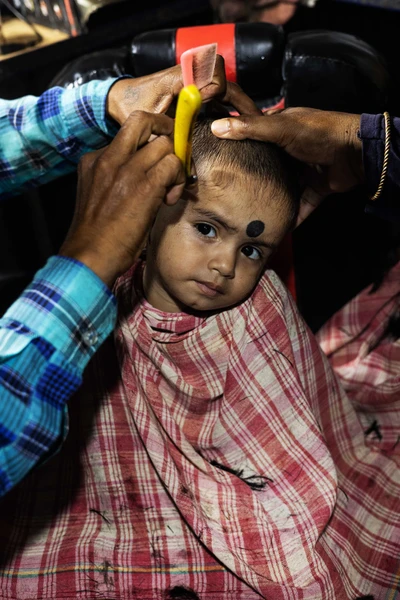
220	127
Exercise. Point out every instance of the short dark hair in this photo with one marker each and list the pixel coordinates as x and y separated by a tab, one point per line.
263	160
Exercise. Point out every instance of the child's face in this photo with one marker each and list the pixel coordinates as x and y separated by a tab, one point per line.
207	252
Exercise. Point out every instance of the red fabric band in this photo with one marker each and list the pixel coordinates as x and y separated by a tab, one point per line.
223	35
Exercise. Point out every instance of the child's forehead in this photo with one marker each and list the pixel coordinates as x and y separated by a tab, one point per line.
238	193
217	178
237	210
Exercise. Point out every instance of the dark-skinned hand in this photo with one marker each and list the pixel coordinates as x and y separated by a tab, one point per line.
327	142
158	91
120	189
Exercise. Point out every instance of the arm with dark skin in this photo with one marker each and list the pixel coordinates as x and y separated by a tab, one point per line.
120	189
156	93
66	312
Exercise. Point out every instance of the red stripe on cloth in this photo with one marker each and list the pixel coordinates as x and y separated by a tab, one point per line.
222	35
221	455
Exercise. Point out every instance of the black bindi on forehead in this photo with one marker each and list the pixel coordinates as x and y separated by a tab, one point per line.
255	228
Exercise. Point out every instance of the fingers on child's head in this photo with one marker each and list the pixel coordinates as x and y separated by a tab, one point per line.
262	161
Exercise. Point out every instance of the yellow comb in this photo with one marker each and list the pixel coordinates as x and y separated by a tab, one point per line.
189	103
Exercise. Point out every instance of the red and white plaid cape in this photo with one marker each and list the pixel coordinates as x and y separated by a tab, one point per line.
219	458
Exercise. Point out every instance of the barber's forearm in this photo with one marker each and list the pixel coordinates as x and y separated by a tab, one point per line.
46	339
104	259
372	133
44	137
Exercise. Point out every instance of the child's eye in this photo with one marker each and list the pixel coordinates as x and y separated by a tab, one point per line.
251	252
206	230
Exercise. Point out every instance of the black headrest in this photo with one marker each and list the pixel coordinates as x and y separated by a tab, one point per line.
334	71
320	69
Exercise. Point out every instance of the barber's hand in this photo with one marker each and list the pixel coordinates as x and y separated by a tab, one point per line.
327	142
156	93
120	189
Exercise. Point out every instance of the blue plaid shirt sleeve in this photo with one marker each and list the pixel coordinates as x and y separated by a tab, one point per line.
46	339
45	137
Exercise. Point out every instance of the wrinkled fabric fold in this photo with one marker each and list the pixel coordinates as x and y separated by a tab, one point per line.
218	455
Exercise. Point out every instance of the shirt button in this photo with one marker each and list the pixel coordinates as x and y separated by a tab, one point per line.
90	338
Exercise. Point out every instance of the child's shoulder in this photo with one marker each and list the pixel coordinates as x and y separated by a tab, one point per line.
267	306
270	293
128	287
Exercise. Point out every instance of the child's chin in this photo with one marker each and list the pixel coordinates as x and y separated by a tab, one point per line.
205	306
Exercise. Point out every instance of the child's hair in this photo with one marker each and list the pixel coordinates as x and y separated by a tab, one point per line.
263	161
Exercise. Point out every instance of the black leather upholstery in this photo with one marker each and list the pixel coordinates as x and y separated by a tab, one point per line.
259	51
97	65
333	71
321	69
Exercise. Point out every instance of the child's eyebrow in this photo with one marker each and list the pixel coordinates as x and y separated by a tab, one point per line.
270	245
217	218
208	214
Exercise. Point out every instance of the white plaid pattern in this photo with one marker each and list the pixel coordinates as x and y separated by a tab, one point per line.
218	458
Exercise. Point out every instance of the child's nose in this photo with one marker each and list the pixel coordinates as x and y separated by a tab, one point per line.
224	261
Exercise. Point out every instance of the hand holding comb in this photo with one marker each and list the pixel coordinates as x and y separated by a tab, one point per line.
198	66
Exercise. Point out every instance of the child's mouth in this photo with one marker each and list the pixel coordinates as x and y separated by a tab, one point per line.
209	289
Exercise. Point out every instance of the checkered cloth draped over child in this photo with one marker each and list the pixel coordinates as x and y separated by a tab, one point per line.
213	452
247	475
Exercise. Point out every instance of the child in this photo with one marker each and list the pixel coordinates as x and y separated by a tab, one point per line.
217	457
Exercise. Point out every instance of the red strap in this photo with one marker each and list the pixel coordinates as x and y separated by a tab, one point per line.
222	35
278	106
